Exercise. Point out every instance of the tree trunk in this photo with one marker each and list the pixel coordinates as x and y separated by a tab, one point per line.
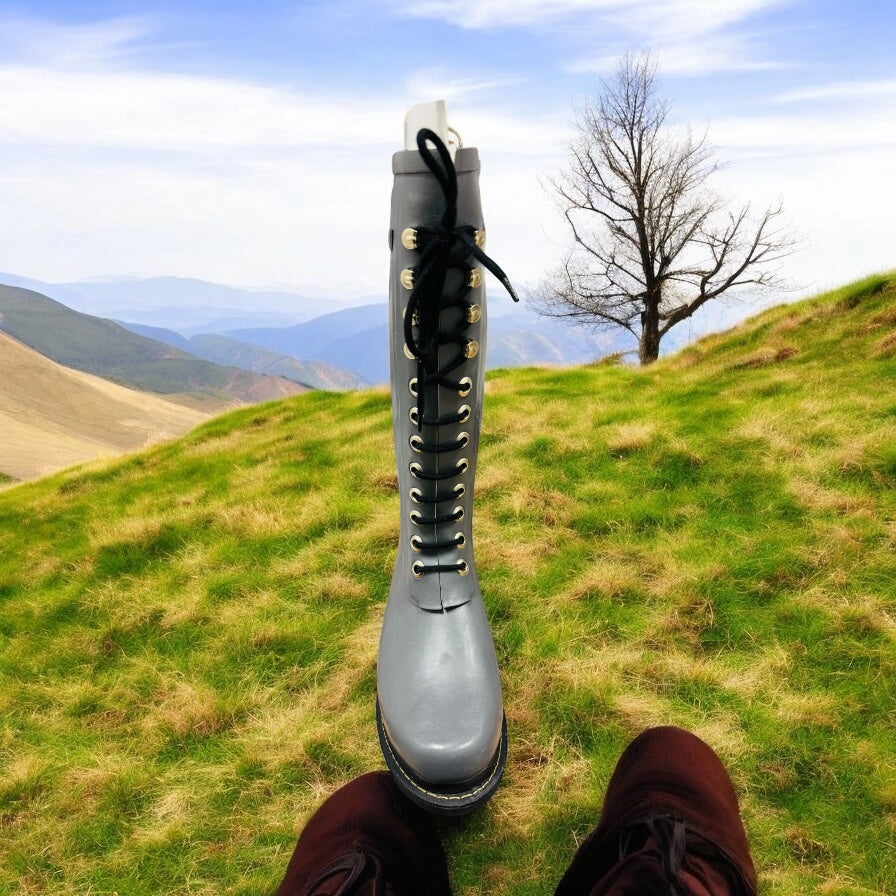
649	343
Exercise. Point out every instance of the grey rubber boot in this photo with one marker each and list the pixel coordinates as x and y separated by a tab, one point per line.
439	707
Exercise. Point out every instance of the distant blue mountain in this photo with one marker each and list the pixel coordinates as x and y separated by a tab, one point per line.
183	304
337	345
304	339
220	349
358	339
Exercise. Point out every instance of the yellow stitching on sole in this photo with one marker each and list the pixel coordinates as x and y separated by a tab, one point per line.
442	796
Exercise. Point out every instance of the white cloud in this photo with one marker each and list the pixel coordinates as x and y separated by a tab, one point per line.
662	20
31	39
690	37
680	21
765	135
134	172
843	90
720	53
149	111
444	84
501	13
114	169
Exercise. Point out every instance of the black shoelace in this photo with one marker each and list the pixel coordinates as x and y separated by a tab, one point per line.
443	246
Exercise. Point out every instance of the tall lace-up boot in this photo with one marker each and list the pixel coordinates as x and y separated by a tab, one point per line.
439	707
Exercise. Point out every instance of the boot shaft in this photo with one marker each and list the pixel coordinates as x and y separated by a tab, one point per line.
437	373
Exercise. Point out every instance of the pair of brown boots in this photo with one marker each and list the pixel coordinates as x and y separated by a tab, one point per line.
670	824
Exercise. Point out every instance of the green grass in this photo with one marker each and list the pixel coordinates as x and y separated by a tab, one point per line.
189	635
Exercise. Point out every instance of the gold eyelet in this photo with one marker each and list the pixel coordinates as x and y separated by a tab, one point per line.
417	569
463	540
409	238
479	238
459	490
412	386
416	443
416	544
471	349
407	278
464	439
415	517
474	313
464	568
466	387
415	495
414	414
474	278
415	469
462	466
460	511
465	411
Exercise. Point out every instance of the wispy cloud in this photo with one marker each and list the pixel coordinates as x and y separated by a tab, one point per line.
29	40
500	13
691	37
444	84
842	90
728	53
681	21
664	20
152	111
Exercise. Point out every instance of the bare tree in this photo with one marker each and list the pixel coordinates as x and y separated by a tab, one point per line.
652	241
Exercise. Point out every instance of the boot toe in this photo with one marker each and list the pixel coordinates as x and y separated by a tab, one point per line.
444	739
439	703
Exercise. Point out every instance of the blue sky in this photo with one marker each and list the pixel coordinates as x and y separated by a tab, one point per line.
250	144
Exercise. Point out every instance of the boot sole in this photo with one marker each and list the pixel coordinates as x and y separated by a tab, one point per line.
461	799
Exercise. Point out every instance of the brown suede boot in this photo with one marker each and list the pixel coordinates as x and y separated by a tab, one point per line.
367	838
670	824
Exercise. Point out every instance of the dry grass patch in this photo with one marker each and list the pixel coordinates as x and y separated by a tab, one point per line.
254	518
813	495
639	710
607	577
184	709
493	477
517	542
777	432
886	347
359	662
627	438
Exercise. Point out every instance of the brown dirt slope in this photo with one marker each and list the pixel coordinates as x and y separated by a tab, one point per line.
53	417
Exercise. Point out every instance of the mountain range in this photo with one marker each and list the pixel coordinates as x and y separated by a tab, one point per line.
316	341
181	303
102	347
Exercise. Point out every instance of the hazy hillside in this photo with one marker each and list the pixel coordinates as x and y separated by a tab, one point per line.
53	417
179	302
357	339
189	636
323	339
224	350
106	349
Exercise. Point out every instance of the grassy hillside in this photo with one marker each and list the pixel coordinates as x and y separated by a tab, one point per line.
104	348
189	636
53	417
